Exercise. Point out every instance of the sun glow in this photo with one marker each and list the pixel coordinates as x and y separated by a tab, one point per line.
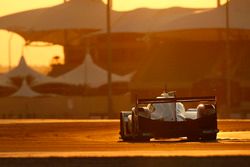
12	45
132	4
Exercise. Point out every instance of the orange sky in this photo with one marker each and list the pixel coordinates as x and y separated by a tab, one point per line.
42	56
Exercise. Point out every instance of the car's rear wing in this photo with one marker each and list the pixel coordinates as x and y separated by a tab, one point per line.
211	99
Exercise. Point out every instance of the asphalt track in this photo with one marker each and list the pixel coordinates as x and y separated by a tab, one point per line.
97	143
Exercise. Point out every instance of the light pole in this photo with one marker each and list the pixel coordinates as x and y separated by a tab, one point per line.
9	50
228	57
218	3
109	54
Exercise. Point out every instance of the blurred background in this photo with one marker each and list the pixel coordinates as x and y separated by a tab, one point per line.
87	59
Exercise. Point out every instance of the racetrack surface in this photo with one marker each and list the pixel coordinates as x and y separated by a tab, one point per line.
100	138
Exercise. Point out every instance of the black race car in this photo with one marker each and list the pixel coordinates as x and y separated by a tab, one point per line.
199	123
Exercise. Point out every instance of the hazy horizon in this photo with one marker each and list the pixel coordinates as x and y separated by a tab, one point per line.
45	54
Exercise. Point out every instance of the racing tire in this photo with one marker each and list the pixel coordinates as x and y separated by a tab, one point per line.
209	137
122	130
193	138
141	139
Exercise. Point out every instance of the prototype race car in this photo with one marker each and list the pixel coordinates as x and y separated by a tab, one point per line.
197	123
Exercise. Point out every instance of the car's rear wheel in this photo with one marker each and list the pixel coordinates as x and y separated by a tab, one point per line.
141	139
193	137
212	136
124	129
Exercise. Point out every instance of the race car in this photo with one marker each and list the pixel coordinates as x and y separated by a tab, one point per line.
198	122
